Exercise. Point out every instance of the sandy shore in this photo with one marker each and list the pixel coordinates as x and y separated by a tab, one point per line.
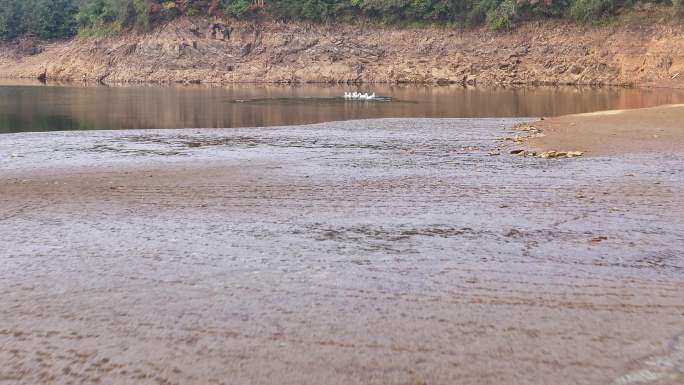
656	129
394	251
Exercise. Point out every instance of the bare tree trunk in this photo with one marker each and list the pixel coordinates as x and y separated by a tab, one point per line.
213	7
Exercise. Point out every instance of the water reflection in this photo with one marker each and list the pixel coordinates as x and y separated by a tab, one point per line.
36	107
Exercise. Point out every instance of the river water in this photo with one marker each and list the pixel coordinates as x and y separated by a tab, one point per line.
32	106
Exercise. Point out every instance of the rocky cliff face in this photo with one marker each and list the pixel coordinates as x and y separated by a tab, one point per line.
224	51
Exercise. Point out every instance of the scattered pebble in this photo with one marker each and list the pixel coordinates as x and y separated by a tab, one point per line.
513	233
523	153
599	239
560	154
525	127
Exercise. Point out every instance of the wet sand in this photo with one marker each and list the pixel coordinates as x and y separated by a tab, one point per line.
655	129
390	251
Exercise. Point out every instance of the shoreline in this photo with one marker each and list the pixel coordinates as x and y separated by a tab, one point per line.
651	130
608	132
430	83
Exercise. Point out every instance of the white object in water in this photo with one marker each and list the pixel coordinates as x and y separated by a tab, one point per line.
359	96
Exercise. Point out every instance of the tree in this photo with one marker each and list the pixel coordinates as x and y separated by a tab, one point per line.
52	19
11	18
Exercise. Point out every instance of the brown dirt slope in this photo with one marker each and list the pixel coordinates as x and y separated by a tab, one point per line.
225	51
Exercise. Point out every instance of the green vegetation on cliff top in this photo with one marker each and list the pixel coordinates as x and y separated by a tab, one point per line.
49	19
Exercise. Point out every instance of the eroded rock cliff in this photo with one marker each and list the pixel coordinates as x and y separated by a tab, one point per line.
223	51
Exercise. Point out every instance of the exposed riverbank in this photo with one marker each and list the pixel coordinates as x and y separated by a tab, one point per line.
656	130
362	252
227	51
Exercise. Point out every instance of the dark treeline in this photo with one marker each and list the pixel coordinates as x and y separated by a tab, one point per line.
49	19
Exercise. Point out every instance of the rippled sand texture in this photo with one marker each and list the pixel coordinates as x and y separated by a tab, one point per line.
364	252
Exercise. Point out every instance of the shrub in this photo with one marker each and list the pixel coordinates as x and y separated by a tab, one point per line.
478	12
503	16
51	20
60	18
98	17
678	8
237	8
591	11
11	18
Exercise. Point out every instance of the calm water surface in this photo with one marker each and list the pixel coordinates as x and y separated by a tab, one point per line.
37	107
